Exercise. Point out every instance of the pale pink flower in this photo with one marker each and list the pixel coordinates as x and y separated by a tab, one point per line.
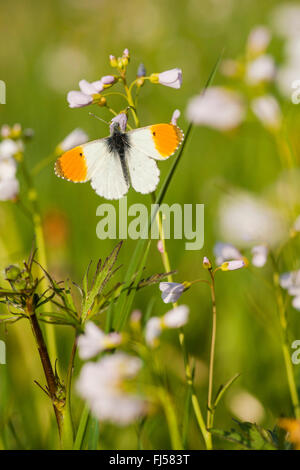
175	117
95	340
9	189
259	255
171	78
225	252
120	120
218	107
232	265
102	385
267	110
160	246
258	40
75	138
171	291
260	70
77	99
175	318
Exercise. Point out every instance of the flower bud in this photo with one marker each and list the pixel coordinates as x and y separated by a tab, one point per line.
141	71
113	61
206	263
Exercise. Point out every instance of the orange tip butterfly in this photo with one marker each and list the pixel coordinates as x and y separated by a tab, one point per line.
114	163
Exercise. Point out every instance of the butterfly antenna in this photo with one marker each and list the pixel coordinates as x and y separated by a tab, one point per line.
99	118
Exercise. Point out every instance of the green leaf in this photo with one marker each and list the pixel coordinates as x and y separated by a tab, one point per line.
250	436
224	388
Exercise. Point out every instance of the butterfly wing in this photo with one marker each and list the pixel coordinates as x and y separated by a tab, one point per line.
158	141
143	171
93	161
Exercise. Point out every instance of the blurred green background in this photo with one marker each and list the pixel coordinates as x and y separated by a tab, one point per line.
46	48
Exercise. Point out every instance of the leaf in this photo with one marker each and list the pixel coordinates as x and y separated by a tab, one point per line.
251	436
223	389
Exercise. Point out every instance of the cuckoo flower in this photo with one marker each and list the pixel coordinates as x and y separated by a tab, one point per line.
103	385
95	340
171	78
175	318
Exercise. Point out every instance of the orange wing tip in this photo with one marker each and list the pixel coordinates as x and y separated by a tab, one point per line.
71	166
167	138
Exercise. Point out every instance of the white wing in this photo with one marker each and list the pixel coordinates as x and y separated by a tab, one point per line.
108	179
143	171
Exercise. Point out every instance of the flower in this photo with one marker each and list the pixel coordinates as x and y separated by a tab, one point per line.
260	70
206	263
75	138
95	340
259	255
175	117
120	120
246	407
77	99
9	185
225	252
247	220
267	110
175	318
258	40
103	385
291	282
171	291
232	265
286	19
171	78
88	90
141	71
218	108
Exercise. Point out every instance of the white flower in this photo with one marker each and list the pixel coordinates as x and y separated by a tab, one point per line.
267	110
121	120
171	78
225	252
95	340
218	108
291	282
286	76
9	185
9	189
296	225
175	318
171	291
9	148
91	88
102	385
246	407
77	99
232	265
260	70
153	331
246	220
259	255
286	19
258	40
75	138
175	117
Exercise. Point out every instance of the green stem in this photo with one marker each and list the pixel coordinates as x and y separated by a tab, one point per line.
82	428
171	419
41	257
285	349
188	373
209	422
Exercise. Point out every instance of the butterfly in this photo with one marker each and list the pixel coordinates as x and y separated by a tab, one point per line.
122	159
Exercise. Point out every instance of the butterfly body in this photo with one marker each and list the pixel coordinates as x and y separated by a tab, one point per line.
114	163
